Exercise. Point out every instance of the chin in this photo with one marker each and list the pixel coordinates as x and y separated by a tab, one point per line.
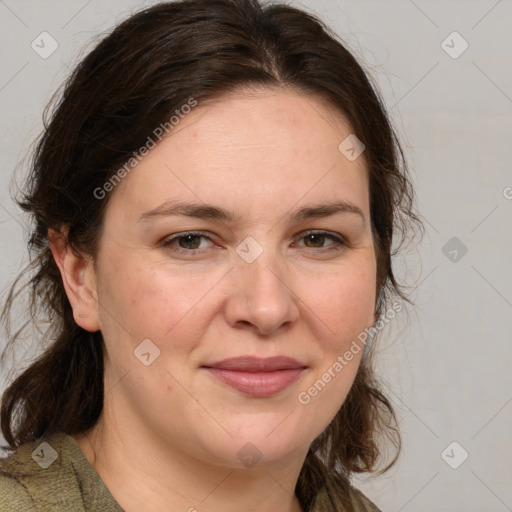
258	443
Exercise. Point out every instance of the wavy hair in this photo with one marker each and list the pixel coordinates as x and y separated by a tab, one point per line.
133	79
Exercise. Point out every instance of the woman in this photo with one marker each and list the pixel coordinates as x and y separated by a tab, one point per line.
215	198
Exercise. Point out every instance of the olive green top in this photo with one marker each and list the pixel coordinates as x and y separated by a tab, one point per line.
53	475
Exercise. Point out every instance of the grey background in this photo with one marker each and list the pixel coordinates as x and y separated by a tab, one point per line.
446	363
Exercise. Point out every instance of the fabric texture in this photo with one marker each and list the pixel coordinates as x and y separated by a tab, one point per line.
53	475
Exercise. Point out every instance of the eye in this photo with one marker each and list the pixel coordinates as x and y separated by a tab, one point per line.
316	239
185	242
190	242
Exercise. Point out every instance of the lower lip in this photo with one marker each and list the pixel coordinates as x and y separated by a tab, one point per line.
258	384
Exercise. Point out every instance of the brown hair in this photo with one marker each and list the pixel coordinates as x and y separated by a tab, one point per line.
150	65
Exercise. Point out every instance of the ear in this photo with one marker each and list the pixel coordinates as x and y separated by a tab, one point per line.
79	279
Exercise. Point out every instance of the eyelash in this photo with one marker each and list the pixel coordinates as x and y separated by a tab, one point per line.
340	242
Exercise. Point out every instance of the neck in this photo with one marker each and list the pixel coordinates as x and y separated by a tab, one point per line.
143	472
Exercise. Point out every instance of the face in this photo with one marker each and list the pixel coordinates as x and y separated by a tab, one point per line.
254	270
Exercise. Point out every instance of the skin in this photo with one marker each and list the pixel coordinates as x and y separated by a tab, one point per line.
169	432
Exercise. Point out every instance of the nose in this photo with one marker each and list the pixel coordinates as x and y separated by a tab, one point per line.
261	296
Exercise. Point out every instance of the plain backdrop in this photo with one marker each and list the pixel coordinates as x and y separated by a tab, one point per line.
444	69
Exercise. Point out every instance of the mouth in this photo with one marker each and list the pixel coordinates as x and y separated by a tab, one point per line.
257	377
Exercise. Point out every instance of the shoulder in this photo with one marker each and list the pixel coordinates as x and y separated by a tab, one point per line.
39	476
14	495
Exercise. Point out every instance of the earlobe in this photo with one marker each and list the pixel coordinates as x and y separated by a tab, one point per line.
79	280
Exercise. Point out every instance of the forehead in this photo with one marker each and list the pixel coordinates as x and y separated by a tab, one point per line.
253	148
277	119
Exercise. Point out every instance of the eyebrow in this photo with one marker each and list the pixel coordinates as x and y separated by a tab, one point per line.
208	211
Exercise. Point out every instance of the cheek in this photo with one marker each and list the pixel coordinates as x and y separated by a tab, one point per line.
343	307
153	301
343	310
345	304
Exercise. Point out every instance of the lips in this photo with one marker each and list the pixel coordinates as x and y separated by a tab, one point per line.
255	376
256	364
